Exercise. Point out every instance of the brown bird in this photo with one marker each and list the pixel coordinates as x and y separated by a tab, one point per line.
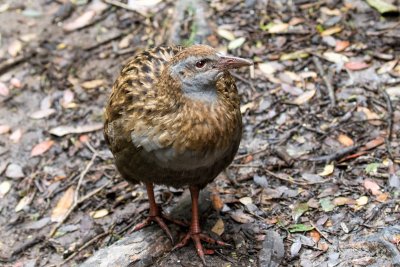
173	118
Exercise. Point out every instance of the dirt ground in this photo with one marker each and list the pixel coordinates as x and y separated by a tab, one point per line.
318	166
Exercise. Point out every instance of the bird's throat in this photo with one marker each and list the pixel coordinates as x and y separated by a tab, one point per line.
204	93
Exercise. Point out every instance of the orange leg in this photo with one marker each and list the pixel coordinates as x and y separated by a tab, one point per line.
155	215
195	232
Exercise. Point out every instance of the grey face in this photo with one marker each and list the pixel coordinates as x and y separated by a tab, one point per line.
198	76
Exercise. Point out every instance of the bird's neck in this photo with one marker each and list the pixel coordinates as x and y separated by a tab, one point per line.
205	93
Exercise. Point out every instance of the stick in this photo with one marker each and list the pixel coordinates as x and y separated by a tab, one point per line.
336	155
327	81
389	108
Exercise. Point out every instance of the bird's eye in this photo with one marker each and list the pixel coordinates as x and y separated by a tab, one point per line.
200	64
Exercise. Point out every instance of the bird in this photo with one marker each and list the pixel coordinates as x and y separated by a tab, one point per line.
173	118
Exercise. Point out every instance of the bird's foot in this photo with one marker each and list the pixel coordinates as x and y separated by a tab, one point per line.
197	238
160	220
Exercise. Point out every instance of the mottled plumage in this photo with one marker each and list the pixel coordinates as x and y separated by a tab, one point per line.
173	118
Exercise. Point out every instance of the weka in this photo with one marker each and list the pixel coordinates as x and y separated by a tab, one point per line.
173	118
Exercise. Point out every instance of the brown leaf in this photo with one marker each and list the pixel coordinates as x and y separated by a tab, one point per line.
373	143
63	205
42	147
372	116
92	84
303	98
315	236
382	197
240	217
372	186
80	22
331	31
340	201
341	45
217	201
219	227
345	140
356	65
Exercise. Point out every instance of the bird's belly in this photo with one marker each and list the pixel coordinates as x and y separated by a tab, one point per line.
188	159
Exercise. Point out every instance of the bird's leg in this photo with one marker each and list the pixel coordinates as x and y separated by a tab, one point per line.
195	231
154	214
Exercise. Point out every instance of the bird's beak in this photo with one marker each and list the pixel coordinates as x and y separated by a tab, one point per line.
228	62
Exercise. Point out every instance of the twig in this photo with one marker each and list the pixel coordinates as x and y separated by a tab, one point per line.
389	108
9	63
336	155
237	76
283	178
252	153
327	81
27	245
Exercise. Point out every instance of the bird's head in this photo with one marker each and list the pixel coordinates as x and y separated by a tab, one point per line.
198	68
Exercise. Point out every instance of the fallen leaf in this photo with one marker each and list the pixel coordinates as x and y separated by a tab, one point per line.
326	204
63	205
382	6
67	99
246	200
14	171
99	213
331	31
335	57
371	116
294	55
295	228
92	84
270	67
216	201
4	128
393	92
66	129
228	35
315	236
298	210
4	91
345	140
387	67
278	28
361	201
372	186
328	170
14	48
341	45
5	187
356	65
42	147
23	202
80	22
234	44
382	197
42	113
305	97
373	143
241	217
340	201
16	136
218	227
295	248
372	168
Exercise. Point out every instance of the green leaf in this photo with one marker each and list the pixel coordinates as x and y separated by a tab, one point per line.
293	228
382	6
326	204
372	168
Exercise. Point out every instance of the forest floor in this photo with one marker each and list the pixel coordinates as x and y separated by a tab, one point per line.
318	166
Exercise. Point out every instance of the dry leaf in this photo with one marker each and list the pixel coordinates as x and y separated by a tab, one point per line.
42	147
67	99
246	200
16	136
236	43
345	140
99	213
278	28
372	186
331	31
372	116
373	143
315	236
328	170
5	187
63	205
14	171
216	201
303	98
228	35
335	57
240	217
362	201
80	22
92	84
25	201
341	45
382	197
14	48
219	227
340	201
356	65
42	113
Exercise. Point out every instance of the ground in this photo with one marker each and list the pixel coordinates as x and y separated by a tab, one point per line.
317	171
